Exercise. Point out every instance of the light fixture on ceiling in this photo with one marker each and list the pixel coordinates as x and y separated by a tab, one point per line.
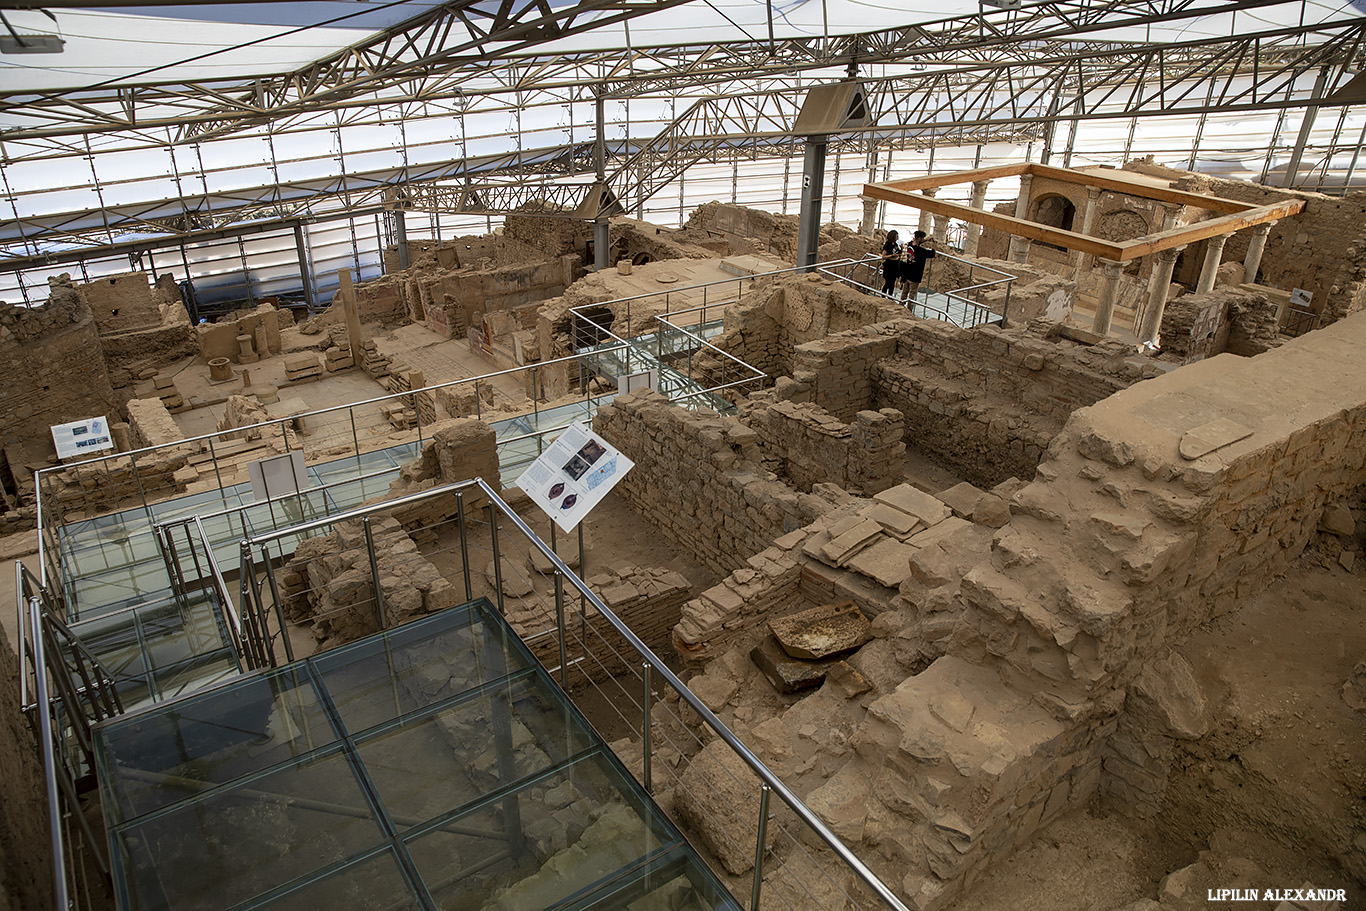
15	43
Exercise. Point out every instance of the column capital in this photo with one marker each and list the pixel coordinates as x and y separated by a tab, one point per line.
1110	267
1093	193
1169	255
929	191
981	184
1264	228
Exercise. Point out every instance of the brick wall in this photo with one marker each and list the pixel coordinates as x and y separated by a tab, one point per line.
698	480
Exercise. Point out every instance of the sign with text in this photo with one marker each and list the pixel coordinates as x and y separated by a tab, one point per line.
573	475
82	437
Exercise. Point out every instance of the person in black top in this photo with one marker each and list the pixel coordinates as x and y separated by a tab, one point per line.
891	263
914	269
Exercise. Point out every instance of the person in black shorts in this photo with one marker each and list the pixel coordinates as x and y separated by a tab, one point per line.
914	268
891	263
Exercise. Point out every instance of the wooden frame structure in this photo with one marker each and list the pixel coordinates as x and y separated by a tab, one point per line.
1236	215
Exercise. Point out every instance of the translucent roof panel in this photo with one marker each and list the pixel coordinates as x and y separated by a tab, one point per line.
435	765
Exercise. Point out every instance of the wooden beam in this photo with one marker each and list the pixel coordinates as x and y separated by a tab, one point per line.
932	181
1202	230
1142	190
1070	240
1007	223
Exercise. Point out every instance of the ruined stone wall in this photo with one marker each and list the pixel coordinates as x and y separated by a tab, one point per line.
150	424
1237	320
1050	644
649	600
840	369
456	450
987	401
771	325
454	301
807	445
262	325
753	230
698	480
122	303
54	371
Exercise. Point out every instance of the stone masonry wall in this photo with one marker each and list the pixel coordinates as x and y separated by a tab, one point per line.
25	865
54	371
1050	644
698	480
807	445
986	401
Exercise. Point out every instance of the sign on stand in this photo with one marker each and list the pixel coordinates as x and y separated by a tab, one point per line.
82	437
573	475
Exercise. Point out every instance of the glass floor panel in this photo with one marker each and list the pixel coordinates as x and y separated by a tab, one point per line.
432	766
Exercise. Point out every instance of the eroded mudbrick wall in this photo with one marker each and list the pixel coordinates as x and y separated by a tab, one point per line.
698	479
54	371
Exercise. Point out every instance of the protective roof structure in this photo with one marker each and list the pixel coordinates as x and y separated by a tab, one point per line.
476	106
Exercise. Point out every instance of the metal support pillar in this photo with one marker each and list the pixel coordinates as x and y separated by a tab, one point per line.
401	237
1214	252
602	231
305	273
813	188
1292	169
1110	271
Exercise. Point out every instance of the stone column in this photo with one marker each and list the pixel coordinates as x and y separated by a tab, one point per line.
1159	282
1214	252
941	229
925	214
1088	227
1019	246
1256	246
869	225
978	202
1110	271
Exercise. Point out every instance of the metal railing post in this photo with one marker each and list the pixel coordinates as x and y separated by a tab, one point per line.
559	628
464	544
279	609
380	618
44	710
497	559
645	726
759	848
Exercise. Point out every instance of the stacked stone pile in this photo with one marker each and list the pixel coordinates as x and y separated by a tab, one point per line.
328	583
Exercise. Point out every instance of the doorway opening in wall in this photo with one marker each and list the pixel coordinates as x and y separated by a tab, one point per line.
1056	212
591	326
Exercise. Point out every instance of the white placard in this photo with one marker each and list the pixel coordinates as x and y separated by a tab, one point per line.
82	437
277	476
632	382
1301	298
573	475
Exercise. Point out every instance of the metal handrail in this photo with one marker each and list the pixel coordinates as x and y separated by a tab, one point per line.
652	661
54	813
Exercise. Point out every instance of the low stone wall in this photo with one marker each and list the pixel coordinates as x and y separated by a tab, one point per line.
698	480
768	326
456	450
807	445
150	424
1236	320
987	401
649	600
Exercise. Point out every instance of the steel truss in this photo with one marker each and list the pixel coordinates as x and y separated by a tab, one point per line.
456	51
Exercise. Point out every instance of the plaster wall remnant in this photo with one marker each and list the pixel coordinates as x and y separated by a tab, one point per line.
54	368
699	480
1050	641
220	339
